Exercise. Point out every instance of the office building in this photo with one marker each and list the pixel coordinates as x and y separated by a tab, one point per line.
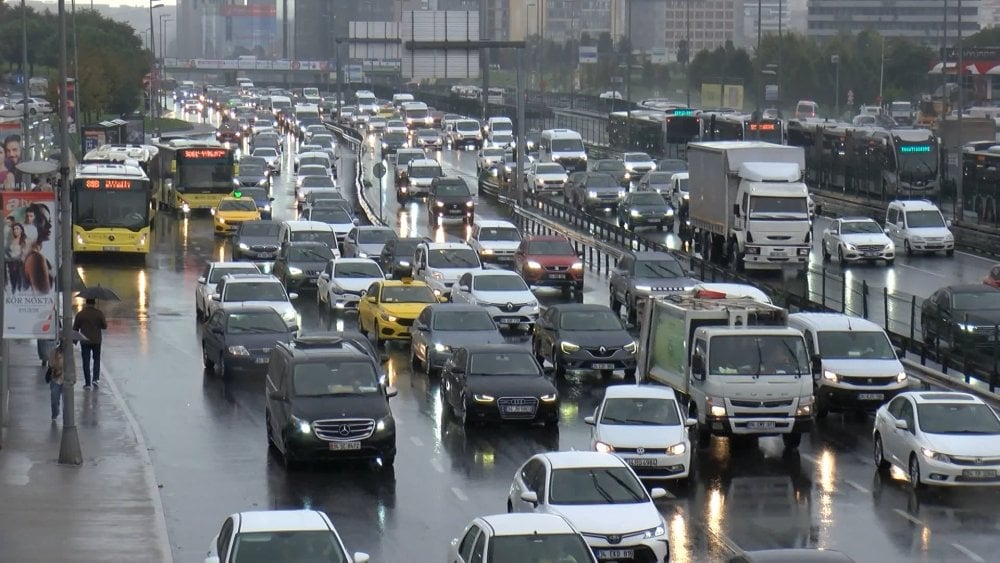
922	21
709	24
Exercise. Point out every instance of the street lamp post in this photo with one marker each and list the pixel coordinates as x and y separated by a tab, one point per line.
835	59
164	18
152	63
687	48
27	89
628	72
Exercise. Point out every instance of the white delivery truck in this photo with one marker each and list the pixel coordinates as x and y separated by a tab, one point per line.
748	204
742	369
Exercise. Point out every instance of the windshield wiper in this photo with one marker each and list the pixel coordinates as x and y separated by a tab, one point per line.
601	490
642	422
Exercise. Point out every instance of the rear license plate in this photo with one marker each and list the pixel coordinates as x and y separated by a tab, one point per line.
641	461
871	396
761	425
262	360
519	409
557	276
109	248
345	446
604	366
612	554
979	473
509	321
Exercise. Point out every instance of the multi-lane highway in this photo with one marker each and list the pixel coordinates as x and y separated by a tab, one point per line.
208	445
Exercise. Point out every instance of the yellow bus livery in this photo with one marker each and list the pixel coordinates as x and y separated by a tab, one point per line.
112	212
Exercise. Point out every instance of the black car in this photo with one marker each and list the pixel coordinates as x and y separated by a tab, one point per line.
595	190
253	172
962	316
645	209
396	259
639	275
241	338
392	142
325	400
583	336
256	240
450	201
613	167
498	383
299	264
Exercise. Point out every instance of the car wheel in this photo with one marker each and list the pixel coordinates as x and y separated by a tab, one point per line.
791	441
538	353
205	360
840	254
428	366
907	248
826	253
631	315
630	375
414	360
660	227
914	473
879	454
220	367
559	365
949	252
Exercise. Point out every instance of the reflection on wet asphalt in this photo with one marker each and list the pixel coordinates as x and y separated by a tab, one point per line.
210	453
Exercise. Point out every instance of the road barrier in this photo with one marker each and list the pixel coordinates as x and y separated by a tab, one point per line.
351	137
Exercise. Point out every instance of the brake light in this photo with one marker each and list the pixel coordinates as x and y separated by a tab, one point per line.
709	294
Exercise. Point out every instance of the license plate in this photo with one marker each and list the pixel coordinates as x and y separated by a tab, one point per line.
519	409
109	248
345	446
761	425
979	473
871	396
872	253
641	461
603	366
262	360
612	554
557	276
509	321
779	253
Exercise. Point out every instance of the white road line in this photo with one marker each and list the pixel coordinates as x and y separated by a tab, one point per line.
968	553
809	458
976	257
461	496
437	465
909	517
921	270
416	441
856	486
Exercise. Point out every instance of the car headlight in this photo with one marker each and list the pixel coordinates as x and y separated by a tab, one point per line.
404	263
967	327
644	288
577	266
295	271
628	175
604	448
486	251
79	238
805	406
438	347
677	449
290	316
212	211
238	351
568	347
631	347
830	376
266	208
654	532
669	213
550	398
437	275
901	377
469	204
483	398
591	194
716	406
635	213
220	219
384	423
949	236
389	318
440	204
621	194
303	426
534	265
931	454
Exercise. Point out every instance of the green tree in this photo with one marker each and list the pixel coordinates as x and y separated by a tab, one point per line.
986	37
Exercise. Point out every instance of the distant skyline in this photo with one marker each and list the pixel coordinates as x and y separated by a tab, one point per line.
111	3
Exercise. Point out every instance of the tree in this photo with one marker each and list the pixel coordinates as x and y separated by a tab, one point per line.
986	37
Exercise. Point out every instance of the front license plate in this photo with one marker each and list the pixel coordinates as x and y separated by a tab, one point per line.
871	396
979	473
604	366
345	446
519	409
779	254
109	248
557	276
612	554
509	321
641	461
871	254
262	360
761	425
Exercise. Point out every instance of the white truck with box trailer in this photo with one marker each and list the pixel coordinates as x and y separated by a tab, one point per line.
748	204
742	369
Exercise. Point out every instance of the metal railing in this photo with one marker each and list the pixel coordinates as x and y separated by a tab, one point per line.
356	141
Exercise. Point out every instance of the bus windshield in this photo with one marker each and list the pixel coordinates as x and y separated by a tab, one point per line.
105	208
214	174
917	159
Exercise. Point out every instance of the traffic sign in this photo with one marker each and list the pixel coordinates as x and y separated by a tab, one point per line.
378	170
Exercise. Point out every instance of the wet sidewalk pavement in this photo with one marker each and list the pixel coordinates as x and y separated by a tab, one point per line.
107	509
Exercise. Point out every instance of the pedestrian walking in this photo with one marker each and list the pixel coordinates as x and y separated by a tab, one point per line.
54	375
90	322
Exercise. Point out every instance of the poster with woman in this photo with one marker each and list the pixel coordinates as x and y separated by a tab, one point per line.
29	258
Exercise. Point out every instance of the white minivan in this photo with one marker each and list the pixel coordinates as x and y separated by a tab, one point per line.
309	231
565	147
917	225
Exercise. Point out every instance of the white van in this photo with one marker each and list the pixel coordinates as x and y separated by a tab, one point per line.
806	109
565	147
366	101
311	95
280	104
495	96
399	99
416	115
499	124
309	231
917	225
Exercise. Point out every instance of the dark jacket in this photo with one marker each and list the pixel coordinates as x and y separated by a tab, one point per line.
90	322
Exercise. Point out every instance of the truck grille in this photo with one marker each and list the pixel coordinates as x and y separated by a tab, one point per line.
344	429
517	407
761	404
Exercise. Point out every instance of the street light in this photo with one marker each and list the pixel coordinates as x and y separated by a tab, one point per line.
538	55
164	19
152	62
835	60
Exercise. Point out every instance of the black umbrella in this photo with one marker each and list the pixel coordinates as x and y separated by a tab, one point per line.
98	292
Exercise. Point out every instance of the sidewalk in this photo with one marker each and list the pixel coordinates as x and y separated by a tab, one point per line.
107	509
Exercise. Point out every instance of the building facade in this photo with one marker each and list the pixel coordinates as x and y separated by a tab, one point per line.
922	21
707	25
774	16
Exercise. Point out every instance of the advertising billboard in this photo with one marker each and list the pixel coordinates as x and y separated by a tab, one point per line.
248	29
30	274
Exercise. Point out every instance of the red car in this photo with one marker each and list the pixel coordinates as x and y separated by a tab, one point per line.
550	262
992	279
228	133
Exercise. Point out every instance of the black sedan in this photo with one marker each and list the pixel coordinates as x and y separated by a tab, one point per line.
299	264
256	240
242	338
450	201
962	316
498	383
645	209
578	336
393	141
396	259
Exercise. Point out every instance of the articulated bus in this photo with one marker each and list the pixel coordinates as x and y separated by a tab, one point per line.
112	209
981	182
717	126
190	175
659	133
138	155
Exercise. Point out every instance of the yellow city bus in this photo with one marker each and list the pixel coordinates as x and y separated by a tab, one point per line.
112	209
189	175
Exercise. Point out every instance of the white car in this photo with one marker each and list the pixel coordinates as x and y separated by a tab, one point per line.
855	239
35	106
211	275
730	291
503	293
272	156
295	535
495	241
918	226
396	126
546	176
501	139
488	158
638	164
643	425
236	290
601	497
367	241
311	154
339	219
612	95
505	538
440	264
344	281
939	438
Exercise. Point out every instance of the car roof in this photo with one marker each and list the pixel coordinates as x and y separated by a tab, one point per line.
493	224
834	321
307	243
432	245
250	308
581	459
913	204
425	162
374	228
639	392
494	272
526	523
247	278
924	397
456	308
564	307
506	348
401	283
339	261
546	238
281	521
241	265
315	154
299	225
857	219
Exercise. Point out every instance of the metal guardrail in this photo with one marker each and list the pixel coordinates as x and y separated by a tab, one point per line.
353	138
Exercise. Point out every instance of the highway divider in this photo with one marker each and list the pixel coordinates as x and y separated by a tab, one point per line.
355	140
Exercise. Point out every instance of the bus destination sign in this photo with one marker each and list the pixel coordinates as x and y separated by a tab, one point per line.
914	148
111	184
761	126
198	154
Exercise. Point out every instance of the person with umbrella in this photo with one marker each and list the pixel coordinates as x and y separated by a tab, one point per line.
90	322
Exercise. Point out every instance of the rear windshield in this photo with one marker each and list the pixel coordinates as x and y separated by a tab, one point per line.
326	237
218	273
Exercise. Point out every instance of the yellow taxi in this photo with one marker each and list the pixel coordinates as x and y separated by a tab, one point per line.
232	211
389	307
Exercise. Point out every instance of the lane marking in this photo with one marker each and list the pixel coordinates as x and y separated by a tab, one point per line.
459	494
856	486
968	552
909	517
921	270
437	465
416	441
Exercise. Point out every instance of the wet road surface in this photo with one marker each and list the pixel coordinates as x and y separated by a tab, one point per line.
209	449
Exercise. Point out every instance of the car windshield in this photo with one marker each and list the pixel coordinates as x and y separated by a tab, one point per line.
976	301
658	269
467	126
325	237
408	294
855	345
258	322
499	234
405	247
501	125
601	181
323	142
640	411
237	205
924	219
550	248
394	138
332	377
332	215
957	418
637	157
610	166
562	548
292	546
376	236
256	291
219	272
647	198
502	137
592	320
493	153
658	178
254	193
758	355
502	363
595	485
453	258
549	168
250	169
463	320
452	189
778	207
424	171
318	182
311	253
306	169
428	133
567	145
499	283
860	228
266	153
356	270
259	229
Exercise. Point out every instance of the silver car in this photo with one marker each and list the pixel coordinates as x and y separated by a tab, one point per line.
367	241
443	327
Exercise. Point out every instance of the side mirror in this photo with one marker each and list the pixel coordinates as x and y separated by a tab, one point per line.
391	392
360	557
277	396
201	279
590	420
902	425
530	497
581	255
691	422
293	295
216	297
657	493
818	209
886	231
948	222
698	367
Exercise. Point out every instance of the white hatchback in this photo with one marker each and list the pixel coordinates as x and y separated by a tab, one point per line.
504	538
503	293
279	535
918	226
344	281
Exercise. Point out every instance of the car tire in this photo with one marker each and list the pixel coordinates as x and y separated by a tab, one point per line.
826	253
840	255
631	315
464	417
538	353
949	252
791	441
414	360
560	367
220	367
913	471
907	248
878	452
205	360
630	375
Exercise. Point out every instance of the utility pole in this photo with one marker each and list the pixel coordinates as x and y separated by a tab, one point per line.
628	73
961	106
69	448
687	50
76	72
522	149
27	89
944	65
835	59
484	56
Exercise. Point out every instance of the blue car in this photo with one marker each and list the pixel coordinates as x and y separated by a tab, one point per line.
261	198
241	339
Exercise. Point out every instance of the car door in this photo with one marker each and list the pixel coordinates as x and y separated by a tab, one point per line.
523	482
474	238
519	258
466	545
459	362
545	332
385	259
418	263
892	225
202	295
479	550
367	306
420	334
281	263
620	277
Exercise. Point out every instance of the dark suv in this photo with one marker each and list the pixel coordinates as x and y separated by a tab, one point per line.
638	276
595	190
450	201
299	264
324	400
